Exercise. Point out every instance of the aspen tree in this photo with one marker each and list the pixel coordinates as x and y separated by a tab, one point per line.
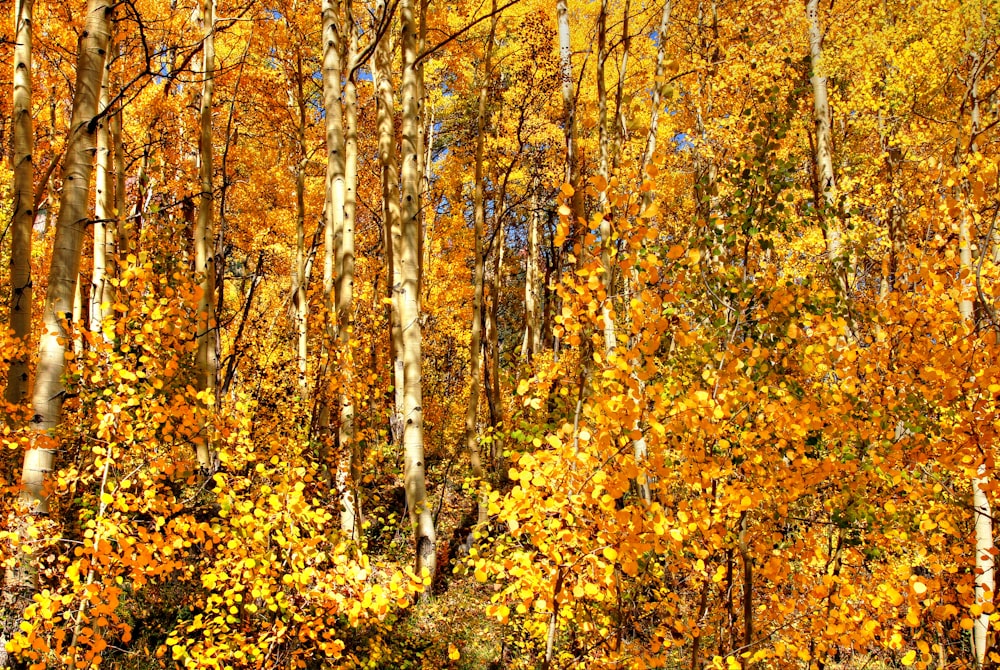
656	101
532	297
204	234
826	180
64	271
335	185
24	208
479	225
569	111
299	296
101	290
389	162
985	561
413	435
349	475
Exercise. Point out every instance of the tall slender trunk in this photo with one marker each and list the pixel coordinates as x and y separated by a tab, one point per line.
299	293
335	192
604	170
382	70
101	290
479	225
826	180
422	159
532	297
65	268
493	329
16	392
349	474
413	436
120	241
204	235
657	99
983	520
569	111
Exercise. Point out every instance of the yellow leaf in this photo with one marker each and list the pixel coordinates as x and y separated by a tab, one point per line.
909	658
453	652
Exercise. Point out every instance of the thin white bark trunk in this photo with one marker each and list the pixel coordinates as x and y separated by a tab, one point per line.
102	295
204	234
65	268
350	513
16	392
382	70
413	437
335	189
569	109
479	225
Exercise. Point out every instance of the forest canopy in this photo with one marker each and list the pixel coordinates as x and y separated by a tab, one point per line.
500	334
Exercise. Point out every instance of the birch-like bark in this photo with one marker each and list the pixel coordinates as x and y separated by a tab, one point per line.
65	268
382	70
493	327
826	180
349	473
101	291
121	240
659	79
569	112
413	417
299	295
983	519
479	226
532	288
16	392
604	170
204	234
335	187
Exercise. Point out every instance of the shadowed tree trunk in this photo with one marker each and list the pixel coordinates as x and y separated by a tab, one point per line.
204	234
24	204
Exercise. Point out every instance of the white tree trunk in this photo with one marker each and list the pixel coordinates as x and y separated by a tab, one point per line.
16	392
65	268
413	416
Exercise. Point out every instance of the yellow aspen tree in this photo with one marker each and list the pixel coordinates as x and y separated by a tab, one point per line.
335	185
101	290
349	474
64	271
24	203
204	236
479	224
414	466
825	178
389	163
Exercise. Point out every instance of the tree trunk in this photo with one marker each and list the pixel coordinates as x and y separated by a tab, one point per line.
479	224
827	184
569	110
102	292
65	268
493	328
532	297
335	191
982	511
120	242
349	473
204	235
382	70
16	392
657	100
413	436
299	292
